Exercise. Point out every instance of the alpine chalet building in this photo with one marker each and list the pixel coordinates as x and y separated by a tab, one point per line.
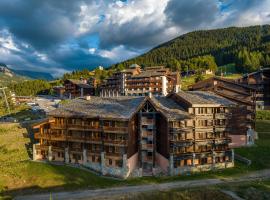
134	81
125	136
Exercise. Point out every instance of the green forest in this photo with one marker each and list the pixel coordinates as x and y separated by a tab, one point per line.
247	47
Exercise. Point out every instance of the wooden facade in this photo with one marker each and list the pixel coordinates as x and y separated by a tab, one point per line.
174	135
136	82
261	81
243	120
79	88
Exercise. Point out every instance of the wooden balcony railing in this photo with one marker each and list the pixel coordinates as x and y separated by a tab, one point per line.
147	121
147	146
222	115
83	127
42	147
116	142
114	155
58	126
115	129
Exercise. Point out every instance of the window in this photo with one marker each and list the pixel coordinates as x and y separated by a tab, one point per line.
110	162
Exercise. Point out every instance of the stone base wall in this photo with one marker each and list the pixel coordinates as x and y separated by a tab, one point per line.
201	168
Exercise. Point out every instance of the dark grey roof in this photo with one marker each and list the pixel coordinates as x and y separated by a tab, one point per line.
169	108
118	107
203	97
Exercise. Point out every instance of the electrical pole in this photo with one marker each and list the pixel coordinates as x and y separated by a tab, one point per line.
5	96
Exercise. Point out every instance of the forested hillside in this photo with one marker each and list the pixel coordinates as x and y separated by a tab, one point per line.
246	46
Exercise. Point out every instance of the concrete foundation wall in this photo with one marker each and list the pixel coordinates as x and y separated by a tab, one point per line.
238	140
132	163
201	168
162	162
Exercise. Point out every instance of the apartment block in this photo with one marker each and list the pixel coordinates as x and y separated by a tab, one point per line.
177	134
137	82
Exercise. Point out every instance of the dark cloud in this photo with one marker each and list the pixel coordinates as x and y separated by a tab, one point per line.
189	14
40	23
46	36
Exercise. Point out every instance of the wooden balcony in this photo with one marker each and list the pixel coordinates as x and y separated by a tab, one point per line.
146	121
116	142
76	150
115	129
222	115
60	137
204	116
42	147
83	127
58	126
147	134
59	149
113	155
147	146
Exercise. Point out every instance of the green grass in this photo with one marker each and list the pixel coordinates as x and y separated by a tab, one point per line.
259	189
23	112
263	115
177	194
260	153
190	80
227	69
19	175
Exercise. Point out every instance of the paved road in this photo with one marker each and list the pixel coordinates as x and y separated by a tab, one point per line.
88	194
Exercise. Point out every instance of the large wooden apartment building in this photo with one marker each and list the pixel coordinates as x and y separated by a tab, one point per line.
245	96
126	136
79	88
137	82
261	81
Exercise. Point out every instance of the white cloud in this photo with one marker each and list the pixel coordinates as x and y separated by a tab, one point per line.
117	54
6	41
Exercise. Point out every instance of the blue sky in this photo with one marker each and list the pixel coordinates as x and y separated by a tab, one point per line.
60	36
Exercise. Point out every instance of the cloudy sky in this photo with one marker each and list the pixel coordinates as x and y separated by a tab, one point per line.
57	36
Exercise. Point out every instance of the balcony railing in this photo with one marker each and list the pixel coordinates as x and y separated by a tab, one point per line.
115	129
222	115
58	126
147	146
111	154
42	147
83	127
116	142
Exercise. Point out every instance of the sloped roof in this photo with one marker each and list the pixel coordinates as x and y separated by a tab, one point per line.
170	108
118	107
204	98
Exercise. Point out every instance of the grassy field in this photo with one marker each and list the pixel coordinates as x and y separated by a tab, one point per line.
19	175
190	80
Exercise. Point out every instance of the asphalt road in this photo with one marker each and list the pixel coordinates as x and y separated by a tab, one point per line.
88	194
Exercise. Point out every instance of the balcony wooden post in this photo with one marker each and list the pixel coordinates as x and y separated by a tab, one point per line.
50	153
171	166
102	159
84	156
193	159
66	155
34	152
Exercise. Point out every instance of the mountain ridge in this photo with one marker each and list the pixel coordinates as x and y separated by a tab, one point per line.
223	44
